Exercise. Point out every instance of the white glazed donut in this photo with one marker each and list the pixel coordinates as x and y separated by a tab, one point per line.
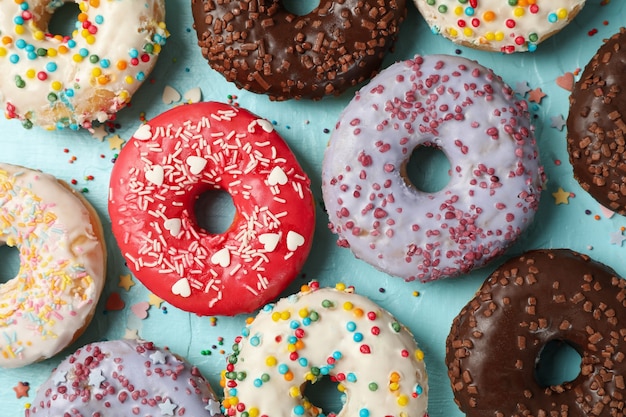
325	332
125	378
495	182
62	265
499	25
56	81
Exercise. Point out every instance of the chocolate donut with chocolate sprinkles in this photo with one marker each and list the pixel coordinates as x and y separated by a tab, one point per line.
262	47
543	296
596	125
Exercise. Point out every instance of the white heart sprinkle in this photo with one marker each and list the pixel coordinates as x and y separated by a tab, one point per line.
193	96
265	125
196	164
143	133
170	95
277	176
294	240
182	288
221	258
156	175
173	226
270	241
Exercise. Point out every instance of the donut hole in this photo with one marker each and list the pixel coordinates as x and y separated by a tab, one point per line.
9	262
214	211
63	20
558	362
428	169
300	7
324	395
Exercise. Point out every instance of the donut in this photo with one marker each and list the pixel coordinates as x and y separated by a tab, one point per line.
125	378
167	165
266	49
325	333
466	111
595	127
57	81
497	25
540	297
62	257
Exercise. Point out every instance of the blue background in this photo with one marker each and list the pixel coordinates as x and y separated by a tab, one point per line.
427	309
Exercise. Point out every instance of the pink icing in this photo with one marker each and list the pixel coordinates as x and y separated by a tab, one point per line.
125	378
495	182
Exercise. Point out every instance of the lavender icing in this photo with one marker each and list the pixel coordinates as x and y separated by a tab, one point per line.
125	378
495	182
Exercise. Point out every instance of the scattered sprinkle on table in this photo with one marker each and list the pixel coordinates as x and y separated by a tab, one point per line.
21	389
126	281
561	196
536	95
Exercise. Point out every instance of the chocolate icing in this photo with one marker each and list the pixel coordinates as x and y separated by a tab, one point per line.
264	48
542	296
595	125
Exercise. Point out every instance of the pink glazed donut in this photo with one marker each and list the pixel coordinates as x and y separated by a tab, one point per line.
496	178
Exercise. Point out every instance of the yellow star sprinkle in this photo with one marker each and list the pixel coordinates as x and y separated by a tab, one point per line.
116	142
561	196
126	281
155	301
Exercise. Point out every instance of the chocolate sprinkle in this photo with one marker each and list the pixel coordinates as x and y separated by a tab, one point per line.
263	48
596	130
493	375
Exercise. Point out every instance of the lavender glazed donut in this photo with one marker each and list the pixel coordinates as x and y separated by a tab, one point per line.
495	182
125	378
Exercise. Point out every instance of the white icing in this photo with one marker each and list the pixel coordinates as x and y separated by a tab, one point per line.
484	22
124	31
343	335
62	266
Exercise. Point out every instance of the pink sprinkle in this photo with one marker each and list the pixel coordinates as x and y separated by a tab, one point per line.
364	159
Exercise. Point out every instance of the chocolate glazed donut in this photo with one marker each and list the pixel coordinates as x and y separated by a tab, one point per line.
263	48
542	296
596	125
